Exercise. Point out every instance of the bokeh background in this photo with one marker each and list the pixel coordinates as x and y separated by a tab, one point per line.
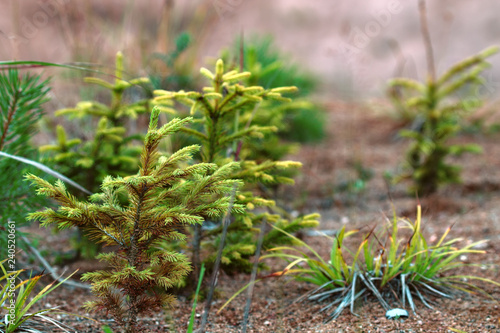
354	46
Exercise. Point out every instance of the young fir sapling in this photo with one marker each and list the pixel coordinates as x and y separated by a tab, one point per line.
134	214
218	110
300	120
438	117
108	149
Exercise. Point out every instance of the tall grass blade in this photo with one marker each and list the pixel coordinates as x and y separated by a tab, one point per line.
254	274
410	298
193	311
5	65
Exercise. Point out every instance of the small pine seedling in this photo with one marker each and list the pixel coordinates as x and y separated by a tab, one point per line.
437	121
160	201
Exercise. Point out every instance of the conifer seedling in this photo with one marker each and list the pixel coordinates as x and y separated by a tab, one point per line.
108	147
439	118
219	110
134	213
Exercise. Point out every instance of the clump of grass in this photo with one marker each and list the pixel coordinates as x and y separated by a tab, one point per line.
396	269
16	301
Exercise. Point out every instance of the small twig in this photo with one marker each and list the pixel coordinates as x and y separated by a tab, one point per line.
427	40
242	51
51	270
254	275
213	282
247	125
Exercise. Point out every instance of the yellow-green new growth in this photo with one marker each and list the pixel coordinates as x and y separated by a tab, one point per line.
218	112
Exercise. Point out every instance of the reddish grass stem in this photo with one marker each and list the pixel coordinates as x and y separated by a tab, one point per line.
427	40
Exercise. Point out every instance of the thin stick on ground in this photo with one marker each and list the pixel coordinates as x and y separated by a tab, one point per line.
213	281
254	275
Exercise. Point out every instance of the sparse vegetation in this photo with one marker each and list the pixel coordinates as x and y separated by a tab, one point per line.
180	182
384	266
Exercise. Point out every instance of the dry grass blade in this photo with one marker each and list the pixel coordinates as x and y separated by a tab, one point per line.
47	170
312	292
410	298
213	282
51	270
329	305
322	296
422	298
254	275
45	323
403	286
353	291
347	300
435	291
369	284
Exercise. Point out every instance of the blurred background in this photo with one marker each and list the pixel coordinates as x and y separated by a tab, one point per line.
352	46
